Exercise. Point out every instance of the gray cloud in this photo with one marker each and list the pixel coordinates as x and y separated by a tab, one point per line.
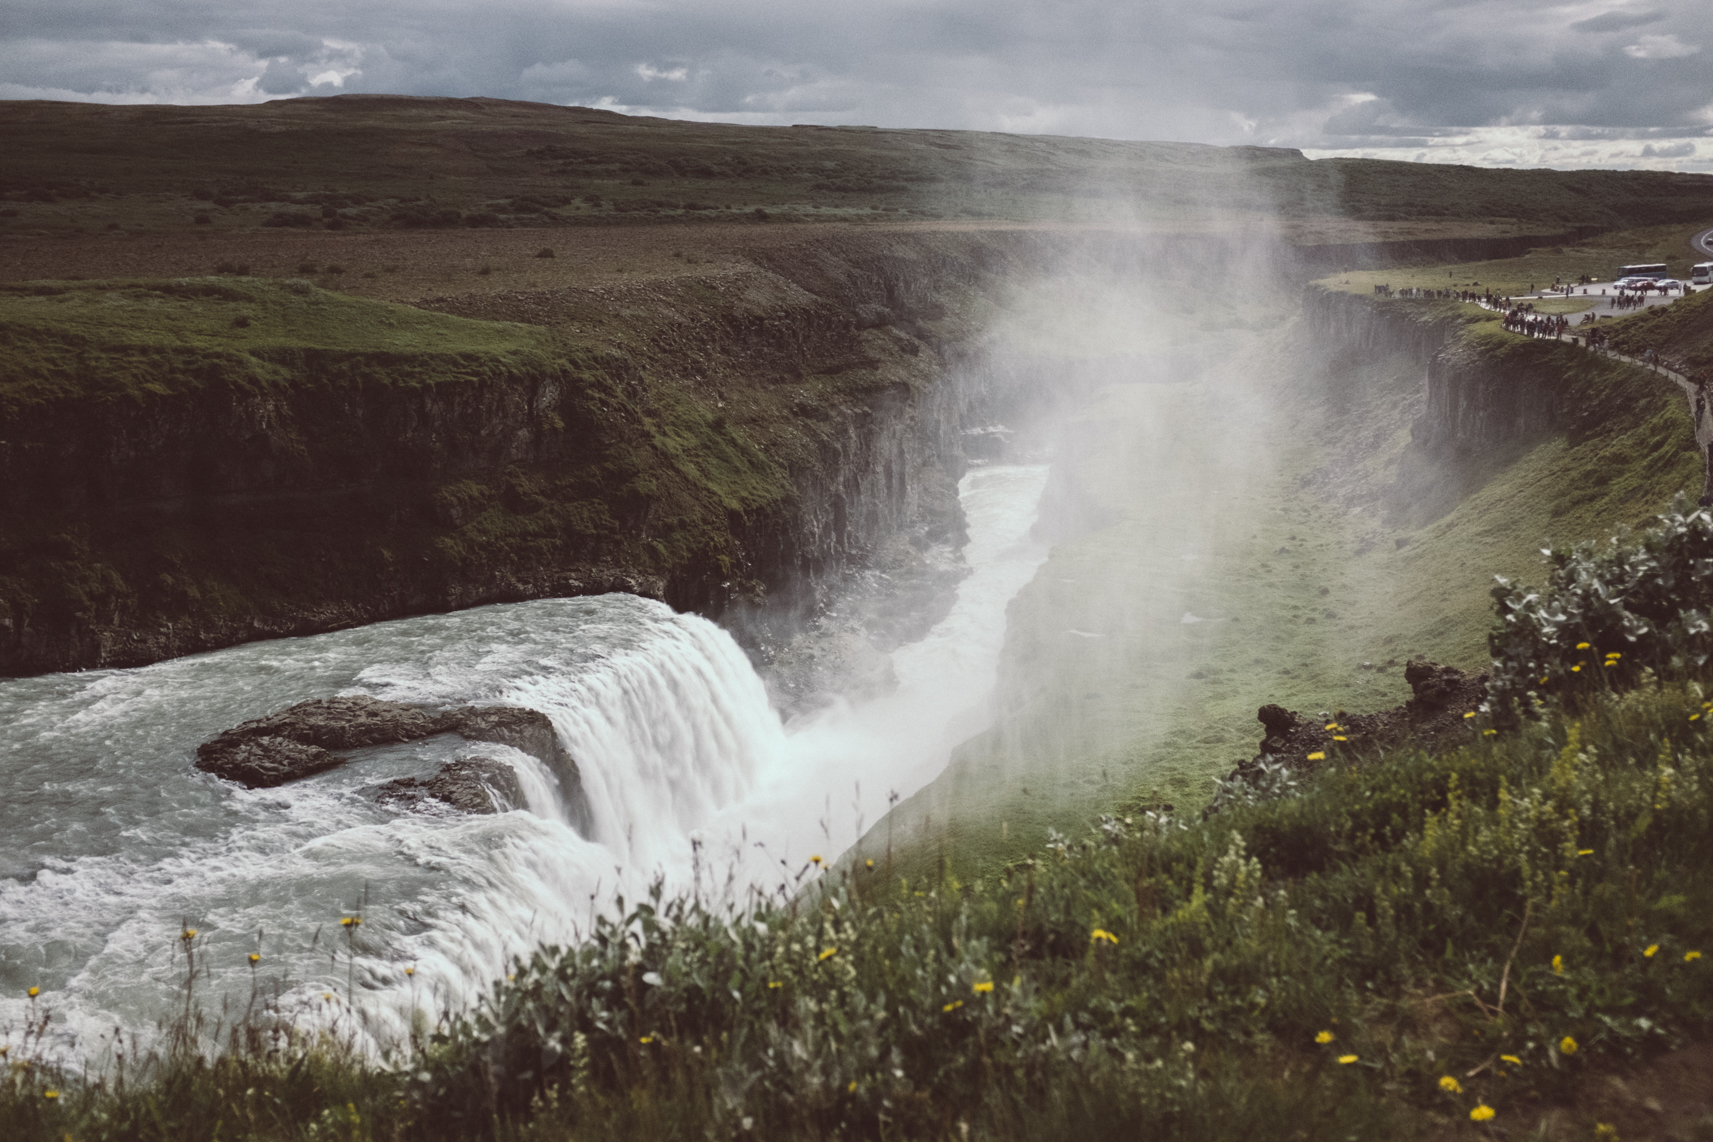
1616	21
1520	81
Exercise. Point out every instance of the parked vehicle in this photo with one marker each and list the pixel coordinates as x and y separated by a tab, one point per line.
1702	274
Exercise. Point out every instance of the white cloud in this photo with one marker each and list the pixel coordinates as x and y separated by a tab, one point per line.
1659	47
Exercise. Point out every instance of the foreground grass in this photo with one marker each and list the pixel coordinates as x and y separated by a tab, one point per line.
1504	916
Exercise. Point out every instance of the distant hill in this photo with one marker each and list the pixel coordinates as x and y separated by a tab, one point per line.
381	161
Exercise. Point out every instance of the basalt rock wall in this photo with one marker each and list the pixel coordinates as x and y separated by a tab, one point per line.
731	442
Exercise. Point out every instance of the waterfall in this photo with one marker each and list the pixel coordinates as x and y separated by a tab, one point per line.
115	843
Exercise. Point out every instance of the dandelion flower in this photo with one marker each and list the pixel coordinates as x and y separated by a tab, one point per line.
826	954
1512	1059
1317	755
1648	953
1339	738
1482	1113
816	859
852	1088
870	863
1558	965
1691	957
1490	733
648	1038
1470	714
1584	852
327	996
1346	1060
1695	717
1450	1085
1582	646
953	1005
1324	1037
1100	934
50	1094
188	934
984	985
1614	656
35	991
772	984
1332	725
1567	1046
1577	669
255	957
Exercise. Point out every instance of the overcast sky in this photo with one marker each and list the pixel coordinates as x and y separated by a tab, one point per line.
1617	83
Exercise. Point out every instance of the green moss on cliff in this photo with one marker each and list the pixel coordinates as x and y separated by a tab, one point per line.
108	340
373	443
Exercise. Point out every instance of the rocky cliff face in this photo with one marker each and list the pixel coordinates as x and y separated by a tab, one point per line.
731	442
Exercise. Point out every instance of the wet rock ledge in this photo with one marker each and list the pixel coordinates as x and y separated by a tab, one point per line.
300	741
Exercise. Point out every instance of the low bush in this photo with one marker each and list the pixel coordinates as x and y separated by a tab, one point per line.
1608	619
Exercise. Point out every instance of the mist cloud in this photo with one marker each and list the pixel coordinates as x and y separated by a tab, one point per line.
1547	82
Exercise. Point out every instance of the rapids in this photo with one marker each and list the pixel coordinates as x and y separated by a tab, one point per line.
111	843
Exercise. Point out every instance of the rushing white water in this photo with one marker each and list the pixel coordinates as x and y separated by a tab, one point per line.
113	841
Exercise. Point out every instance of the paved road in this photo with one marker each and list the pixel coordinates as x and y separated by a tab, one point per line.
1703	243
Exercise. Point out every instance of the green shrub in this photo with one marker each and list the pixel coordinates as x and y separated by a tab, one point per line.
1607	619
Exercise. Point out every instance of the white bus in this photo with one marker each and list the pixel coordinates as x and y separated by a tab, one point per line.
1702	274
1649	271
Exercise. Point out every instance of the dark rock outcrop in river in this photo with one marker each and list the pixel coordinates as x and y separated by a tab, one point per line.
296	742
469	785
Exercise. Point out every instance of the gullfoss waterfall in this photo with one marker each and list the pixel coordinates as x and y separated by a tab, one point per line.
115	843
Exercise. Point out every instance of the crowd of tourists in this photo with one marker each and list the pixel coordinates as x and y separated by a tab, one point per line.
1435	294
1522	319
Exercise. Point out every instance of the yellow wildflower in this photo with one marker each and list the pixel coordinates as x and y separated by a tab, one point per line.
410	971
1695	717
1339	738
816	859
1577	669
1582	645
648	1038
1332	725
1490	733
774	984
1323	1037
1649	952
1450	1085
826	954
1512	1059
188	934
50	1094
1100	934
1567	1046
984	985
1482	1113
870	864
852	1088
953	1005
35	991
255	957
1690	957
1317	755
1346	1060
1558	965
1470	714
1584	852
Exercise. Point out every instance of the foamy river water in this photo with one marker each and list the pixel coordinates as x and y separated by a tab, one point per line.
111	843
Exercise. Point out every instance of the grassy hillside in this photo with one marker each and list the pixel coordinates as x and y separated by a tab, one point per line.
365	162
